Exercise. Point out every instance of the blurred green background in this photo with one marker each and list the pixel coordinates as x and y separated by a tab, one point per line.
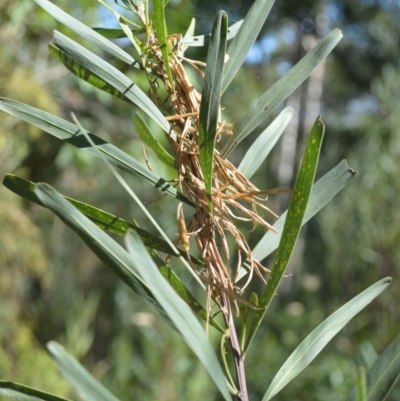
53	288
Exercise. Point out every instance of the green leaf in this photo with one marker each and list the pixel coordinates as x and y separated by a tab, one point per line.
18	392
198	41
210	99
322	192
317	340
161	34
87	33
115	33
102	219
297	207
84	384
281	90
106	249
245	38
83	73
69	132
184	320
112	254
383	374
189	33
148	138
112	76
261	147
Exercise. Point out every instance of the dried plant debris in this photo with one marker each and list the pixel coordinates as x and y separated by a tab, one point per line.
233	197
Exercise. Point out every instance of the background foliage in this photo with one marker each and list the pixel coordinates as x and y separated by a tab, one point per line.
56	289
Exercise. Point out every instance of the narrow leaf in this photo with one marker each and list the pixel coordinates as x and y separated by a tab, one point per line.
210	99
87	33
177	310
102	219
261	147
189	33
161	34
322	192
317	340
198	41
115	33
148	138
83	73
106	249
18	392
245	38
297	207
112	254
112	76
69	132
383	374
84	384
281	90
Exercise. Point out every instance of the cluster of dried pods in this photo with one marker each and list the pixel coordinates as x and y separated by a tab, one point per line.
232	192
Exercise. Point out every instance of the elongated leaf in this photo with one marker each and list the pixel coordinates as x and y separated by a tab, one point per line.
83	73
148	138
317	340
177	310
189	33
198	41
322	192
87	33
281	90
69	132
383	374
129	35
109	252
106	249
112	76
245	38
297	207
161	34
102	219
210	99
115	33
18	392
261	147
84	384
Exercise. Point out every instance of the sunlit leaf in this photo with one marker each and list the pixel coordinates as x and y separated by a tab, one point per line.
261	147
87	33
184	320
161	34
198	41
383	374
112	76
18	392
84	384
210	99
322	192
245	38
281	90
307	351
297	207
70	133
83	73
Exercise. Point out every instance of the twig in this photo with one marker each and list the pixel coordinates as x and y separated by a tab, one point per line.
235	348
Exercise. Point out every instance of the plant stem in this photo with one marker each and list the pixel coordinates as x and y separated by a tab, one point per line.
235	348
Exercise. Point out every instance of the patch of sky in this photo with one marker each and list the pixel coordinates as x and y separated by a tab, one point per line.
261	50
283	66
334	12
288	34
366	104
